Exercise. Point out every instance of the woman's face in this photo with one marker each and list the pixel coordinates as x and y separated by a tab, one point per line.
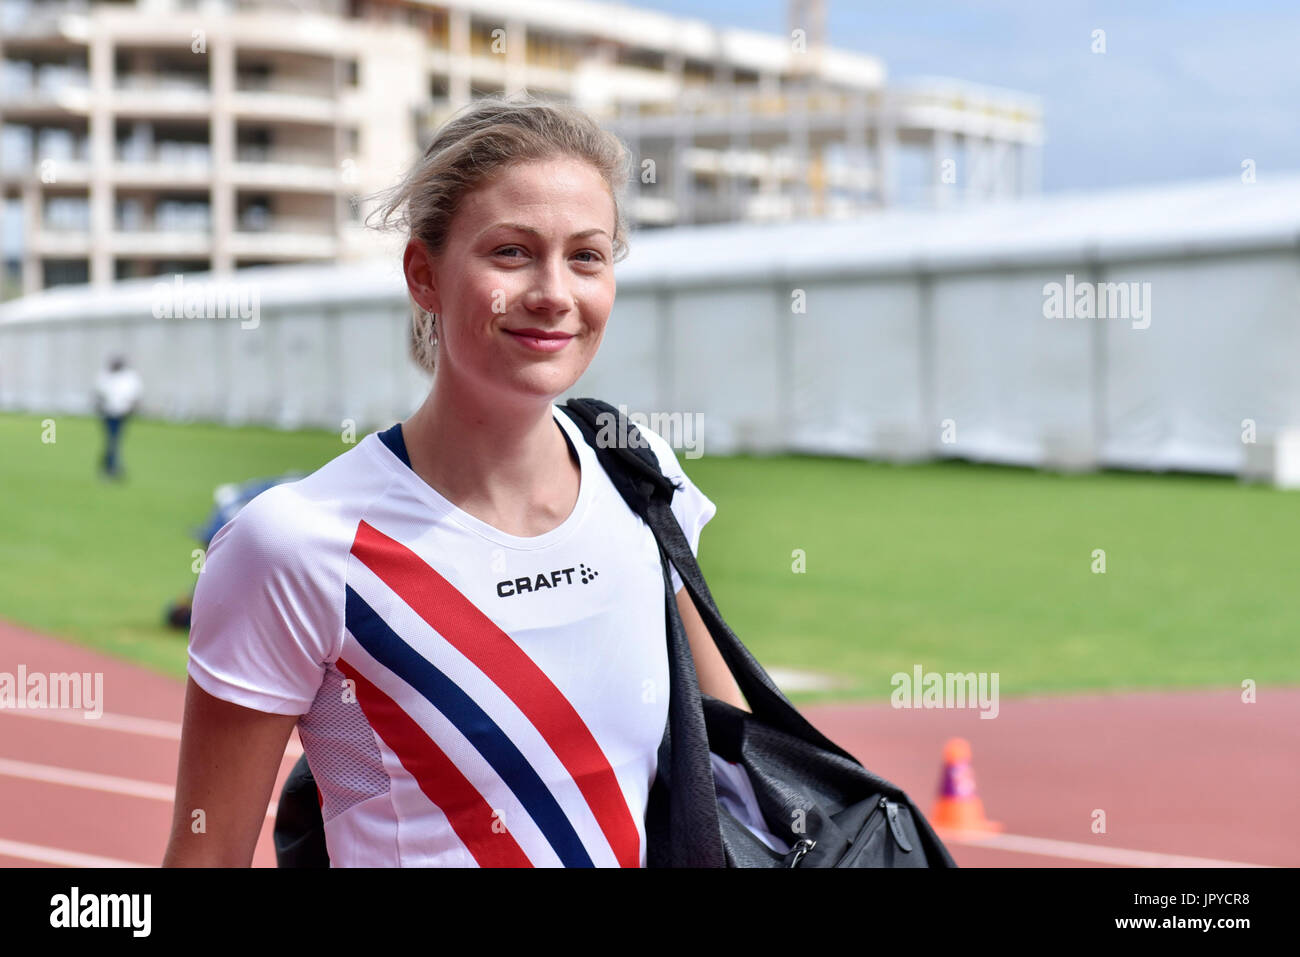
531	249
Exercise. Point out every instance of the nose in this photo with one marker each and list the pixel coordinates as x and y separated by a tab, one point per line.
549	293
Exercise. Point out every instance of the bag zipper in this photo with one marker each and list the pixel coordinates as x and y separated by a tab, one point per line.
801	847
895	827
804	845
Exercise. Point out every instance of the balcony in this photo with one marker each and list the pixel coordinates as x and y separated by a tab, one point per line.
168	163
284	97
260	234
66	224
64	229
61	166
976	110
162	235
162	94
45	20
163	80
293	168
43	90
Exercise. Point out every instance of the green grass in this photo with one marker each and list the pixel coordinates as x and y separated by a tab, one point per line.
97	561
952	566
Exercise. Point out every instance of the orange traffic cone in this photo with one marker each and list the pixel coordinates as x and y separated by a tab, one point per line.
958	808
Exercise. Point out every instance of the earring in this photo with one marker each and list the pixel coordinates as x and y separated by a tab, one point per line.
433	334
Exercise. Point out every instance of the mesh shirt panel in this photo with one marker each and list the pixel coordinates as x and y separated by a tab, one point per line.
341	749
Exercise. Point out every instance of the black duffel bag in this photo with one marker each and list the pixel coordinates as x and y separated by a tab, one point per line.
813	796
299	833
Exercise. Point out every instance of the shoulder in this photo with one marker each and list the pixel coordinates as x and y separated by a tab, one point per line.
689	498
311	518
272	581
269	604
663	450
281	514
279	537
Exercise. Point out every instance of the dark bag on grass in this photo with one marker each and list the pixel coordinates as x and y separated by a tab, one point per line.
812	796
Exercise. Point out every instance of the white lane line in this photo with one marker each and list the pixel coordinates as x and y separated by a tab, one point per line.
150	727
92	781
1125	857
126	723
54	855
85	779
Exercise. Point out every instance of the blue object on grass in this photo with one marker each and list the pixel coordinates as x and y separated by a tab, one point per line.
233	496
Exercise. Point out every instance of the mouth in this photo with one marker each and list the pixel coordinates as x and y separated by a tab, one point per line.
541	340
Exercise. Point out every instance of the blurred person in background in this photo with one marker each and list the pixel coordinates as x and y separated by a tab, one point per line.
117	393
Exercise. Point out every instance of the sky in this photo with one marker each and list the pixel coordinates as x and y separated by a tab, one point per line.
1185	90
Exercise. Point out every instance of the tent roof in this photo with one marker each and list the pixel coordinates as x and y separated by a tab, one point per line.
1168	221
1073	227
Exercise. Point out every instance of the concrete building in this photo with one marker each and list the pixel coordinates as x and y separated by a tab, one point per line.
149	137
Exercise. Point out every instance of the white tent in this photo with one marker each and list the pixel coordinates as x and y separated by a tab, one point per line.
908	333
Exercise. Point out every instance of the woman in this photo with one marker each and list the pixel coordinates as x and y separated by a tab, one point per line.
460	614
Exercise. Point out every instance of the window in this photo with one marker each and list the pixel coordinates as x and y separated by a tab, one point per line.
64	272
70	213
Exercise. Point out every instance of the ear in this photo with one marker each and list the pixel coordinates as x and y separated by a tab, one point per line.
418	265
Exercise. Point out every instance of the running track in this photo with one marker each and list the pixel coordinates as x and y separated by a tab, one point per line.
1185	779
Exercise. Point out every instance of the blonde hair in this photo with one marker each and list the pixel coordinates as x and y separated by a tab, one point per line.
477	142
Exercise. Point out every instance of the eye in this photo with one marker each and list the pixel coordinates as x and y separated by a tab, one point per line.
596	257
504	249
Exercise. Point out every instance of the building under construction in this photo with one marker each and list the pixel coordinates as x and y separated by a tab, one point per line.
169	136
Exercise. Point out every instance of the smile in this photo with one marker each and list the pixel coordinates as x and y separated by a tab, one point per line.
542	341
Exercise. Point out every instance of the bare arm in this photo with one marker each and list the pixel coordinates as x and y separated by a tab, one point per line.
230	756
715	676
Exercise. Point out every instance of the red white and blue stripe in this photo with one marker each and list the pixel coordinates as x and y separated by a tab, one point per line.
474	733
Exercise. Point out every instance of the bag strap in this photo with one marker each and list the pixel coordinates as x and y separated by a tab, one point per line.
648	498
682	826
692	834
765	699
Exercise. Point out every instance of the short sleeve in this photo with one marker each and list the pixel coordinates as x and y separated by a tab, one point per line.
691	506
263	623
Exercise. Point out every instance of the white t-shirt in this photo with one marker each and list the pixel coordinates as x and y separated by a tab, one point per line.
468	697
118	391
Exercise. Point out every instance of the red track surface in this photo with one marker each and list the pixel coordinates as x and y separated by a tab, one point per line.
1190	774
124	827
1198	774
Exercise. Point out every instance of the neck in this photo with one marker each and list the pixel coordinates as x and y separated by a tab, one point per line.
498	456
